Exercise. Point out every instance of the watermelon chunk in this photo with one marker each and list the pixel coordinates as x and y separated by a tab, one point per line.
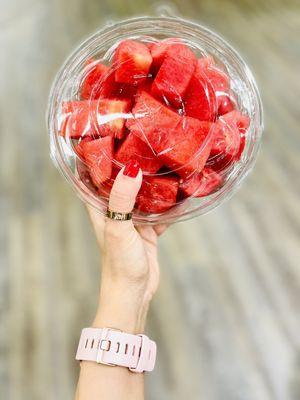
217	78
176	140
132	61
98	156
99	82
225	105
227	139
150	115
159	50
200	185
94	118
145	86
200	99
79	146
135	148
91	83
186	148
174	74
157	194
243	122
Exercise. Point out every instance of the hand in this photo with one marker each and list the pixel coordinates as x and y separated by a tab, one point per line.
130	269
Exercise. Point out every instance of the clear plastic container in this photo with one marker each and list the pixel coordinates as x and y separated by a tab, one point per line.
100	47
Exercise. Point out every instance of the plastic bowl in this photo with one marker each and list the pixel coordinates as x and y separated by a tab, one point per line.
203	42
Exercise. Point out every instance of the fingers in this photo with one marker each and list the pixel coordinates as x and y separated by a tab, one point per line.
126	187
122	199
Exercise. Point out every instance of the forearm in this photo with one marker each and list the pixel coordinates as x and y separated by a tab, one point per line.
121	306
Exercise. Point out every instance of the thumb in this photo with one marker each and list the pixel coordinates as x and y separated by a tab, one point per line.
125	188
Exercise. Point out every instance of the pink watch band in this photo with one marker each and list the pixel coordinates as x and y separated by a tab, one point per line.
113	347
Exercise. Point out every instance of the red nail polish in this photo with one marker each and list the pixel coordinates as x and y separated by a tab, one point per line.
131	168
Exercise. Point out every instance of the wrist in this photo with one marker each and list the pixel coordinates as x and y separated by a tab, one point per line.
122	306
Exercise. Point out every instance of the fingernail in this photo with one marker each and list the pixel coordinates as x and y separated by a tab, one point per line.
131	169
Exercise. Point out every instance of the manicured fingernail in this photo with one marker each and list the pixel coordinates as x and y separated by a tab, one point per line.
131	168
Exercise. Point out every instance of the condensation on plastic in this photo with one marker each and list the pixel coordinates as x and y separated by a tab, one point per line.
69	113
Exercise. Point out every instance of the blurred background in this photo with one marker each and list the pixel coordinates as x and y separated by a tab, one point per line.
226	317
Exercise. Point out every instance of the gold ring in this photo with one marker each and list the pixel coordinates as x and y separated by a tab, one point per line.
118	216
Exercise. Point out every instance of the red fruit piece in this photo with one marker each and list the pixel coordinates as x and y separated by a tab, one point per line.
111	116
103	85
132	61
218	78
180	142
134	148
200	100
186	148
93	77
148	116
104	117
200	185
159	50
145	86
174	74
227	145
243	122
225	105
124	91
98	156
157	194
79	147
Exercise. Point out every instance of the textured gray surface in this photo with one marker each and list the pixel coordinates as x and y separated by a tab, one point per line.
230	280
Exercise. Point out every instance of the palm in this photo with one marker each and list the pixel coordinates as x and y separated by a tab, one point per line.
135	257
149	235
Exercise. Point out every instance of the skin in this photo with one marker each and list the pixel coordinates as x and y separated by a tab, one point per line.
129	279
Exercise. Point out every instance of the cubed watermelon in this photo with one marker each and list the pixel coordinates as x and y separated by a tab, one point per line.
132	61
159	50
104	117
243	122
200	100
98	155
150	115
145	86
217	78
227	140
79	146
225	104
94	74
174	74
157	194
135	148
185	148
200	185
178	141
100	83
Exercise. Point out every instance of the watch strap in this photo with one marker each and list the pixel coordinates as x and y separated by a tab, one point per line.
113	347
